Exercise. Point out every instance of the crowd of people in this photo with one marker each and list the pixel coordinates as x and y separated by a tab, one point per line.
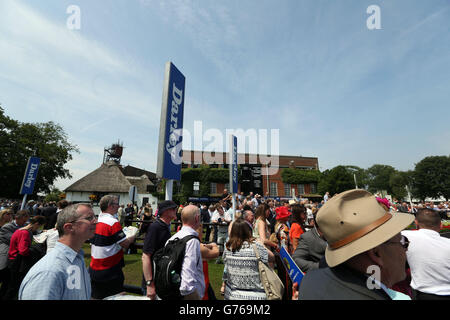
335	242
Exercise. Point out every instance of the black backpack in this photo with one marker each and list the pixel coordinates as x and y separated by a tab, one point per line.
167	263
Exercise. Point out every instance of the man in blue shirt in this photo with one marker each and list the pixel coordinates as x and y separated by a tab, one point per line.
62	274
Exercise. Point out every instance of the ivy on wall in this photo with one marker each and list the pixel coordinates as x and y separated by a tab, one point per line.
205	176
300	176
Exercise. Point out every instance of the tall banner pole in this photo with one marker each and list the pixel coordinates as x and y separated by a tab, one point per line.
23	202
233	168
169	189
171	128
409	195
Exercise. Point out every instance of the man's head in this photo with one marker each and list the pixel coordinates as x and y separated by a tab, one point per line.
77	220
219	208
22	217
190	216
360	233
428	219
62	204
249	216
36	222
167	210
109	204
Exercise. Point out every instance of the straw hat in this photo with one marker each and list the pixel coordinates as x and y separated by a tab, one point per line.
353	222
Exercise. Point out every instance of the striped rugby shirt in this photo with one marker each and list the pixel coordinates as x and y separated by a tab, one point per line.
106	253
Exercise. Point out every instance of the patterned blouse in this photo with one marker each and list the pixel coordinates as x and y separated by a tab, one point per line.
241	273
282	232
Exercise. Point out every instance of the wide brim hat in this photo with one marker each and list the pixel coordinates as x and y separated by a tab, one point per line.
282	213
353	222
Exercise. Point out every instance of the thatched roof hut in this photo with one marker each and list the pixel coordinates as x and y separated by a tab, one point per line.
106	179
112	178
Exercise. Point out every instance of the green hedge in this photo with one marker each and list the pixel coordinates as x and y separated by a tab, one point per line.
300	176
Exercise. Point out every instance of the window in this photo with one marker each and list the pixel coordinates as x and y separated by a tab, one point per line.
313	188
301	189
287	189
213	187
273	189
196	188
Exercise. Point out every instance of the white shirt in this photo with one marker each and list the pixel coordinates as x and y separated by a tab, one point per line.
215	218
428	256
229	215
52	238
192	278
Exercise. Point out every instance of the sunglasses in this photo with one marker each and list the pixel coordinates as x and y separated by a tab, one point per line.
404	242
89	219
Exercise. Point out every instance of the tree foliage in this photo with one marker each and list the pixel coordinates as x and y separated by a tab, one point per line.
300	176
336	180
379	176
18	141
398	182
432	177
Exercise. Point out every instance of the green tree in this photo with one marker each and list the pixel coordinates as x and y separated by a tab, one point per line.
299	176
362	178
18	141
432	177
398	182
336	180
379	176
54	195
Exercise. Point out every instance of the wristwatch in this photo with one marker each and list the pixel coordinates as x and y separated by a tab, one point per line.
148	282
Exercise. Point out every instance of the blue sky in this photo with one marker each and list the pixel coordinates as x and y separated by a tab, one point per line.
312	69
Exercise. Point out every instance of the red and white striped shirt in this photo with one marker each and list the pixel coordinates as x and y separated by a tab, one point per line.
106	252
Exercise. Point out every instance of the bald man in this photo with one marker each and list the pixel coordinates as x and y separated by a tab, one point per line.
192	280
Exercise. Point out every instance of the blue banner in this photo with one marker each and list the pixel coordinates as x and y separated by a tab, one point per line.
30	175
292	269
171	127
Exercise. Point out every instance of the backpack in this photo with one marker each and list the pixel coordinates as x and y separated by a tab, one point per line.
167	263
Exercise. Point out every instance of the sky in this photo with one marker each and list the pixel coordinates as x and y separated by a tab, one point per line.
314	70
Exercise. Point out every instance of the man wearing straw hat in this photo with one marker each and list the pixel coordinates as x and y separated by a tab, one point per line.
366	254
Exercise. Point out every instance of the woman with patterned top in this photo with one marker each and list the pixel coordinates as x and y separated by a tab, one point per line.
241	273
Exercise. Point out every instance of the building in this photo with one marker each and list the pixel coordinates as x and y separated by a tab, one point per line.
112	178
254	177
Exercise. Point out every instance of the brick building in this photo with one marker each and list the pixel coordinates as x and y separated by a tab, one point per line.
254	173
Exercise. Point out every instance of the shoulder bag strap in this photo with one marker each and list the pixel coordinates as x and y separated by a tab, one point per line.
255	249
